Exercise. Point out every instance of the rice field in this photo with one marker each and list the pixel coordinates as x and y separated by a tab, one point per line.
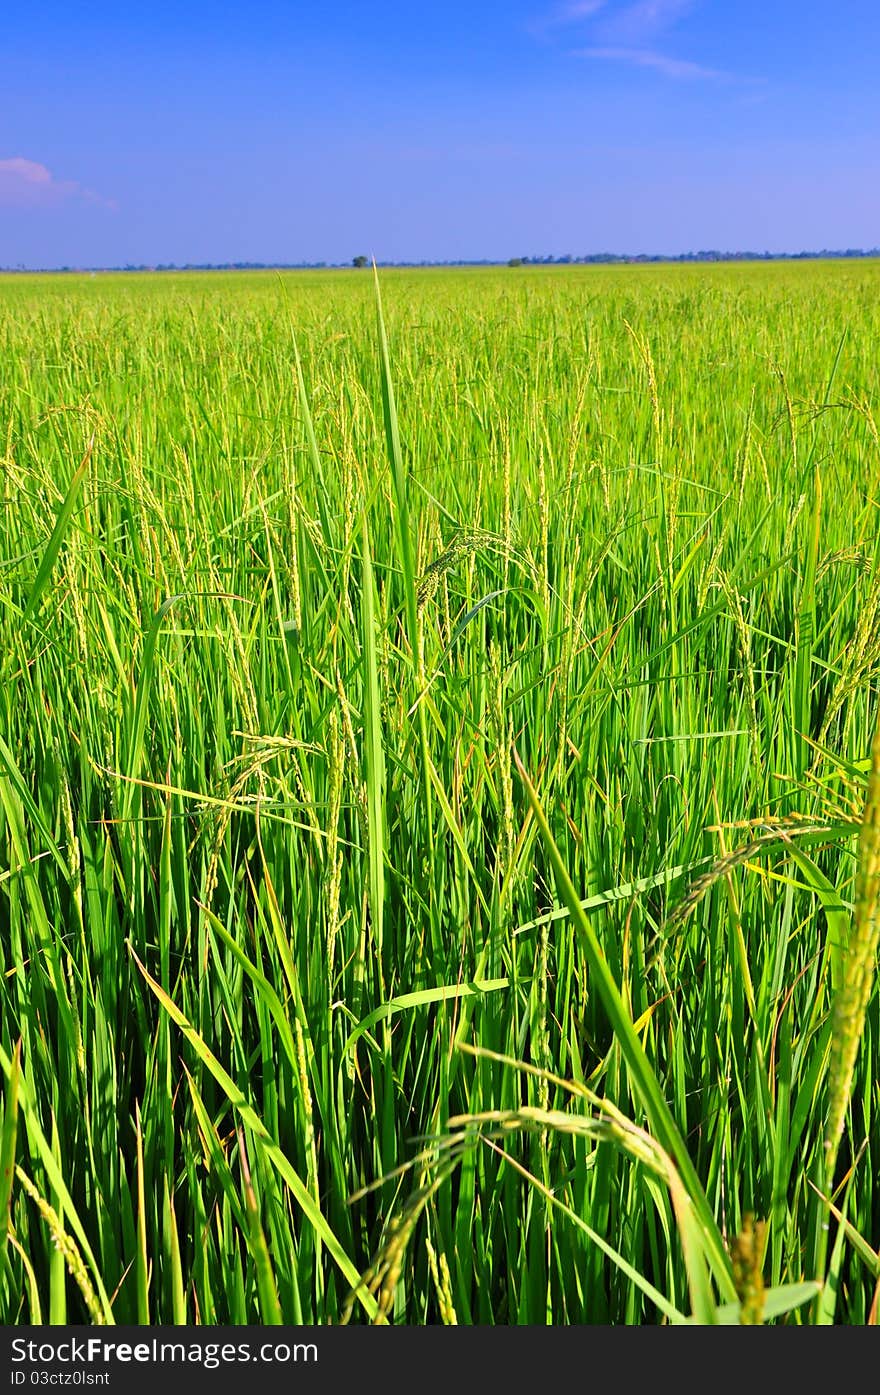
438	829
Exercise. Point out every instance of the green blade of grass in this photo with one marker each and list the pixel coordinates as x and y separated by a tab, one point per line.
8	1136
641	1073
273	1152
142	1265
43	1148
398	475
777	1302
56	537
135	752
178	1292
374	750
661	1303
423	998
270	1308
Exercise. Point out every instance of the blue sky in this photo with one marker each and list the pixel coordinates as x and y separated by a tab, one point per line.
293	131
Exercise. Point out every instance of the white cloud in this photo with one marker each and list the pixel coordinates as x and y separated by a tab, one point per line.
567	12
28	184
635	22
678	68
638	23
578	9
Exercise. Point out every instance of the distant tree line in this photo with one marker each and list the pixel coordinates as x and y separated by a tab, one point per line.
588	259
626	259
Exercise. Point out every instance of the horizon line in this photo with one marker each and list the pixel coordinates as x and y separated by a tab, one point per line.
360	262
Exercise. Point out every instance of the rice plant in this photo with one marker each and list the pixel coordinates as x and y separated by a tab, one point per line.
438	793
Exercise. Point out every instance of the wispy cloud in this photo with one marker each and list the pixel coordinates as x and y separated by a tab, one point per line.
577	9
561	16
635	32
28	184
635	22
680	69
639	24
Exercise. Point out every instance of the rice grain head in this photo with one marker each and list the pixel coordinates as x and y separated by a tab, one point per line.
851	1003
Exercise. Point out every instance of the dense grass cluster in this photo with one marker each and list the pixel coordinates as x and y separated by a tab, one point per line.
431	772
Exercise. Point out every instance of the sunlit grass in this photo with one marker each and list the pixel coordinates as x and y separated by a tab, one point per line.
432	759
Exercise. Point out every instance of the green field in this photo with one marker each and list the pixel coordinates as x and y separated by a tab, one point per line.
430	791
